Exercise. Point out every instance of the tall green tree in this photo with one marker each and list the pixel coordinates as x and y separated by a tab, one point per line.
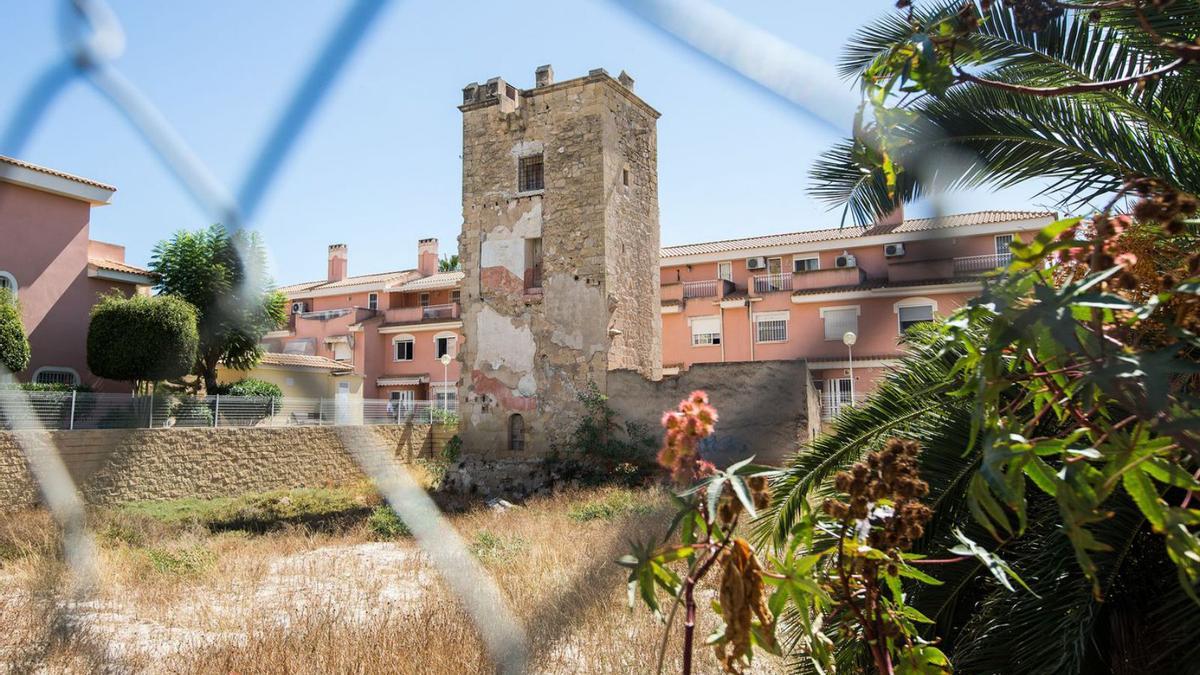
14	345
142	339
1075	99
224	277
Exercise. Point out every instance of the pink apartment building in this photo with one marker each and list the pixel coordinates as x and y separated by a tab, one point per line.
786	296
56	271
392	327
794	296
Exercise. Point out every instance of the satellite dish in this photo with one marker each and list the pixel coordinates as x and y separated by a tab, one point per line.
849	339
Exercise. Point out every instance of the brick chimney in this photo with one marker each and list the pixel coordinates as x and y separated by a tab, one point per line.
544	76
339	262
427	256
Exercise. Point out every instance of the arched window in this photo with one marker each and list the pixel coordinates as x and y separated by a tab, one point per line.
912	311
516	432
8	282
56	375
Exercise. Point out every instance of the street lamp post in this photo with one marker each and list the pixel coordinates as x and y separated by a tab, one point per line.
848	339
445	378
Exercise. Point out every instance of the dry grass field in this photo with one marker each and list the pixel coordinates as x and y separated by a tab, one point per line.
322	581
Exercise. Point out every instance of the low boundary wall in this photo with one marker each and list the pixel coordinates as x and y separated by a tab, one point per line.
121	465
762	406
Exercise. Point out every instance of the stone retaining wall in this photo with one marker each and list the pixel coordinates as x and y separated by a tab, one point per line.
121	465
763	406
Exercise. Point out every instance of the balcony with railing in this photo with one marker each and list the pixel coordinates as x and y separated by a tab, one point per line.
706	288
445	312
770	283
326	314
836	277
978	264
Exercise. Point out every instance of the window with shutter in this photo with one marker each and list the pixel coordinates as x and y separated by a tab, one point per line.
839	321
706	330
913	315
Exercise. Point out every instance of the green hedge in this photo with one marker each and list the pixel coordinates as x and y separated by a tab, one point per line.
142	339
14	345
254	387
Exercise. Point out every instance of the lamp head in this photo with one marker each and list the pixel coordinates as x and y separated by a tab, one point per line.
445	359
849	338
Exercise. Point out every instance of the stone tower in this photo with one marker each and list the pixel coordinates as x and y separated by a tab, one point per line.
560	247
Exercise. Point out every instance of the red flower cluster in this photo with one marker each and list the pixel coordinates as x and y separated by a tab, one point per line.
693	421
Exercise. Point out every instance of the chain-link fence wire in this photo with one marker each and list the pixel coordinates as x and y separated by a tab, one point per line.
92	38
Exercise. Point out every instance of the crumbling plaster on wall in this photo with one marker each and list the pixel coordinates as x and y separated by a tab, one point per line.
578	313
503	345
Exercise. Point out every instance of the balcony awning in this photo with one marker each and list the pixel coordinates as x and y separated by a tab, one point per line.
401	381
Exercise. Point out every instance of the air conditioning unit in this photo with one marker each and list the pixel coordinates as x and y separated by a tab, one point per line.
893	250
299	307
759	263
845	260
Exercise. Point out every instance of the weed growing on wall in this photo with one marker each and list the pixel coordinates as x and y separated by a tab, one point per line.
602	449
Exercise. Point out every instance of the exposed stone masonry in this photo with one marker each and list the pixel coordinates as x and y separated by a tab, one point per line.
121	465
530	348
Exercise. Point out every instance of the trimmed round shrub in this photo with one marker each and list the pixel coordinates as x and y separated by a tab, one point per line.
142	339
14	345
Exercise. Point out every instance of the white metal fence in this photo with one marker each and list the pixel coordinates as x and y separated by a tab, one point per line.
70	410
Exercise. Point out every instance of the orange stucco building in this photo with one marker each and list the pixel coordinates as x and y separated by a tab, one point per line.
55	270
776	297
796	295
392	327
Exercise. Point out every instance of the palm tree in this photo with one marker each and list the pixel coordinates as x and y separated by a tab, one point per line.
1139	626
1085	144
448	263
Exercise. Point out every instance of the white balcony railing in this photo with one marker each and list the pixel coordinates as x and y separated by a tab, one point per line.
981	263
446	311
767	283
832	403
701	289
326	315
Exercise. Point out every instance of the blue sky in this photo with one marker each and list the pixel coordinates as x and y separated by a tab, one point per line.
379	165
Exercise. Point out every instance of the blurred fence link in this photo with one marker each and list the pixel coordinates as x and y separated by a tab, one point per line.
92	39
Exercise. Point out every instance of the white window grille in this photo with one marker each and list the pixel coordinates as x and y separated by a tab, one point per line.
52	375
807	264
403	349
839	321
771	327
373	301
1003	249
706	330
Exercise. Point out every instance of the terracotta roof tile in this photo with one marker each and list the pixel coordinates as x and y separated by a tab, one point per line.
52	172
303	360
114	266
382	278
432	282
851	232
